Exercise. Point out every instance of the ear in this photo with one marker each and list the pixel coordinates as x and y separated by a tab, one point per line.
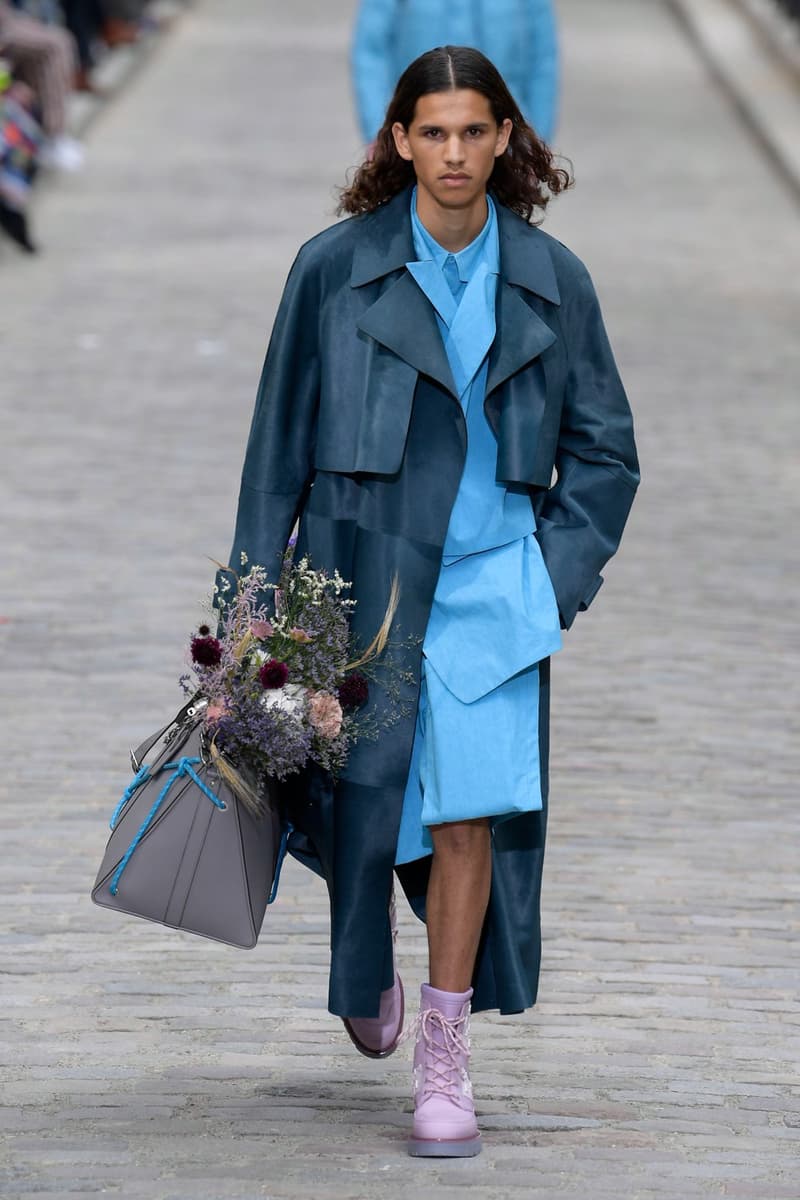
503	134
400	135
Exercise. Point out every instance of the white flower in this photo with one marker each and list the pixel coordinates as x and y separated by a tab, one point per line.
289	699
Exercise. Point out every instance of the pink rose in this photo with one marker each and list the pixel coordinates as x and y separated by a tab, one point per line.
325	714
261	629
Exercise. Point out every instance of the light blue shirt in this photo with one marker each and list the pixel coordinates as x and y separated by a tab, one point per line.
494	612
462	288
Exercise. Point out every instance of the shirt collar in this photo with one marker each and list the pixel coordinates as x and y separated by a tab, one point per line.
485	244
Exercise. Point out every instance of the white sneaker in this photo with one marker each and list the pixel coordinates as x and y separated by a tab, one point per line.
62	154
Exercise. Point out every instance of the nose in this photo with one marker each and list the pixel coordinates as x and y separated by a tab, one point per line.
454	151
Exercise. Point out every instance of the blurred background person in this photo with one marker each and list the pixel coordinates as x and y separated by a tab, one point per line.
122	21
110	22
43	56
519	36
83	19
20	138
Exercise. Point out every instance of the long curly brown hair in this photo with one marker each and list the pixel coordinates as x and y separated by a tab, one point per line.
524	178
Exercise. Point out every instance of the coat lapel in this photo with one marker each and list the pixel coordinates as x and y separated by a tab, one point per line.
525	262
403	320
521	336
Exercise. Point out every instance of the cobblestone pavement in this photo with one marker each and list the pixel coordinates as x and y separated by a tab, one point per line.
662	1058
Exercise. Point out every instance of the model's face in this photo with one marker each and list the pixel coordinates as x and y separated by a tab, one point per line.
452	143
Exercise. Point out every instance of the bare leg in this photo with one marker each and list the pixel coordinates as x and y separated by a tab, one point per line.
458	894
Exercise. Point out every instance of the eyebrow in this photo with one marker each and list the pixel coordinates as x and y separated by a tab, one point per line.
469	125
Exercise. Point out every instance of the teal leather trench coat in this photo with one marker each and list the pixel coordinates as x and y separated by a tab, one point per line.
358	433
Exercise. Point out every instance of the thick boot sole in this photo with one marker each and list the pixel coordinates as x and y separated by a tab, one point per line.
434	1148
368	1051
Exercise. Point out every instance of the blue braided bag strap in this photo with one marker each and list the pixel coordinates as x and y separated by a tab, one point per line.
183	768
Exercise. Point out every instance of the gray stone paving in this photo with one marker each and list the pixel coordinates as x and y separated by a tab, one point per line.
662	1058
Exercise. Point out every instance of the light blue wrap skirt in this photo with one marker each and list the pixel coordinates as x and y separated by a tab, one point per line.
470	760
476	742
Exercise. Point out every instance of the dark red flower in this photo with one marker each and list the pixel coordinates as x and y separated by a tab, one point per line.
273	674
353	690
206	651
204	631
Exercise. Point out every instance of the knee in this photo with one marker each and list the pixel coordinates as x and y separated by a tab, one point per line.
52	45
461	838
30	56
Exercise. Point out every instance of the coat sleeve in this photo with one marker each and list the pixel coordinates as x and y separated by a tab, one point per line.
371	63
582	516
278	464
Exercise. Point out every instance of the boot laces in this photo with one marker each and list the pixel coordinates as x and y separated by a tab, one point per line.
447	1045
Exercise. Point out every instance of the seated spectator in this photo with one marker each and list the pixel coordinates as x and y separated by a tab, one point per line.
121	21
114	22
20	138
43	56
83	19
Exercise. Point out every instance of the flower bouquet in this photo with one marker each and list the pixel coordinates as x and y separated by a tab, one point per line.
286	688
197	838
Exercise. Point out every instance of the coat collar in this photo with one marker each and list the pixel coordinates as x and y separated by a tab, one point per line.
403	321
386	244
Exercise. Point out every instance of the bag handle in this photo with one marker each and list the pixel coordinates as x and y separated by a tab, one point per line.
190	709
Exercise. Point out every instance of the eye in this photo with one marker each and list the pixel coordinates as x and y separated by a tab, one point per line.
432	133
474	131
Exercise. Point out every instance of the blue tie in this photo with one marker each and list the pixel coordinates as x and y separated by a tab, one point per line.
450	272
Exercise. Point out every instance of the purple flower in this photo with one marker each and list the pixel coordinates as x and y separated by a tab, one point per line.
206	651
273	674
353	690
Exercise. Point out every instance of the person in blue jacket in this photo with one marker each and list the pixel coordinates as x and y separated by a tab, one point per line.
519	36
439	408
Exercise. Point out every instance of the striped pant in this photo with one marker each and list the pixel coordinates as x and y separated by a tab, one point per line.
43	56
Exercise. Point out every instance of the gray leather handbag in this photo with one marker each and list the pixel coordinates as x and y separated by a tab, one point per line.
184	849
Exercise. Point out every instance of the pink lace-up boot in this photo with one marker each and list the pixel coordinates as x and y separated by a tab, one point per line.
444	1115
378	1037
